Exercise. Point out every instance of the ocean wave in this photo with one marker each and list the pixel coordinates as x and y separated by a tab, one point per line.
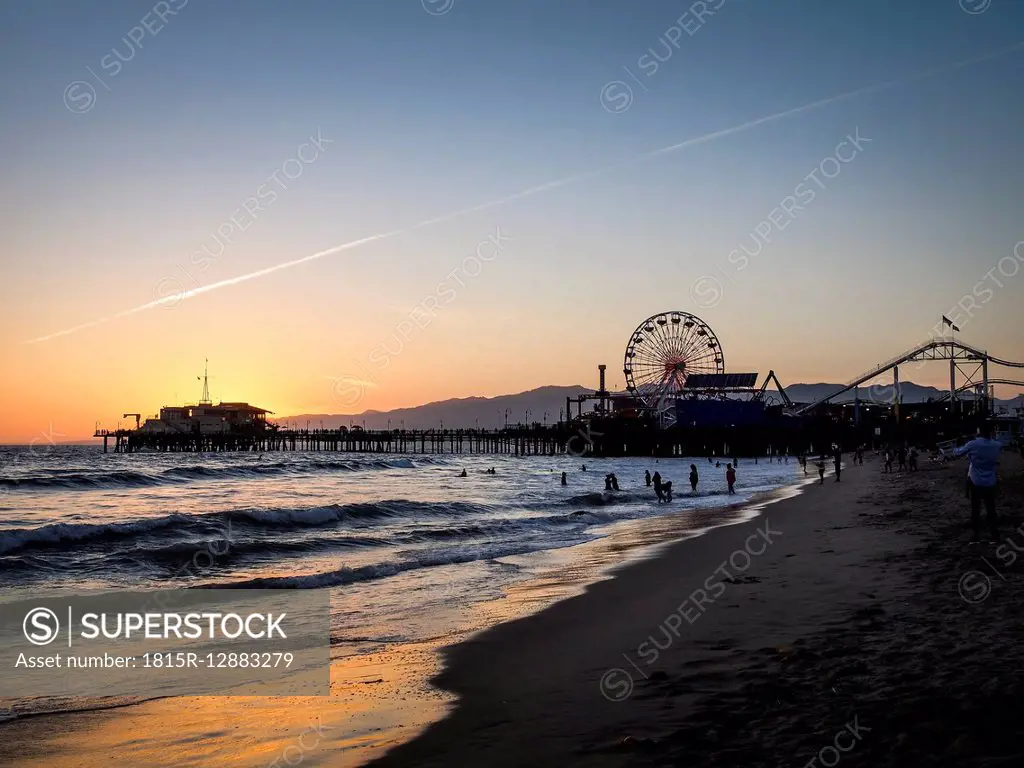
77	480
344	575
219	524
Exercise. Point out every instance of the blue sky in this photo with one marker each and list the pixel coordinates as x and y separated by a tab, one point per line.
435	113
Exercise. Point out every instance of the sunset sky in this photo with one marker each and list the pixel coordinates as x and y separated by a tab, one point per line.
130	141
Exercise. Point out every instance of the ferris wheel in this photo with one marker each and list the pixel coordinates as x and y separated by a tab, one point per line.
664	351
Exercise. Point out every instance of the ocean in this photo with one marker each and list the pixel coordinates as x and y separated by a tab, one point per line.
408	548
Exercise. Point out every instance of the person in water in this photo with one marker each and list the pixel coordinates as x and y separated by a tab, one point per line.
615	482
657	486
983	452
667	489
583	468
718	463
693	478
647	477
607	482
564	479
730	477
462	473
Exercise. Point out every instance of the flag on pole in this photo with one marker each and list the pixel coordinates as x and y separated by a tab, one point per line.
949	322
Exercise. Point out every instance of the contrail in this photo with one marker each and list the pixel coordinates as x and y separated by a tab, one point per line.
634	160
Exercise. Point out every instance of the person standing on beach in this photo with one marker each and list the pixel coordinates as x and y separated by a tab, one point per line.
657	486
730	477
647	477
983	452
693	478
821	471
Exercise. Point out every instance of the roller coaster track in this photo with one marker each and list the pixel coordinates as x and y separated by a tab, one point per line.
934	349
974	385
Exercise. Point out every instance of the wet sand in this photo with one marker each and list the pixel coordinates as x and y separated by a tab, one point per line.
867	631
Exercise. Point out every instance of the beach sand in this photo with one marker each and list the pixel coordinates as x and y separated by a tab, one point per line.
867	631
852	607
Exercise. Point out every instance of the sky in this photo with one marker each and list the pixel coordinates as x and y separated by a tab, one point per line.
354	205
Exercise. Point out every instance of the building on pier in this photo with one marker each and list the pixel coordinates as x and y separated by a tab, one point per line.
207	419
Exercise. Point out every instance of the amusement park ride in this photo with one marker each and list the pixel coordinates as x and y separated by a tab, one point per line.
674	358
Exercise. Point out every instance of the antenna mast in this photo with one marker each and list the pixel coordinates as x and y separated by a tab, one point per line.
206	384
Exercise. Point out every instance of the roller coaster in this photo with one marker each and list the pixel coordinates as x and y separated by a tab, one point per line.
970	362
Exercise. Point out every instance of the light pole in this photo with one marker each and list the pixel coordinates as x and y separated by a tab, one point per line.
527	418
545	418
507	412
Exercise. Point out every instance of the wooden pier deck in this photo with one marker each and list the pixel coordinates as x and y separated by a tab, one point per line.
550	441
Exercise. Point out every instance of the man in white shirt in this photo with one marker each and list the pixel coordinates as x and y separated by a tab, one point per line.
983	452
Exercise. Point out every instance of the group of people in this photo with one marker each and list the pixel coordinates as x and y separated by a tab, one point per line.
663	488
906	459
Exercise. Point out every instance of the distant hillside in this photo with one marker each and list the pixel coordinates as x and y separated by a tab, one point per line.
489	412
462	413
912	393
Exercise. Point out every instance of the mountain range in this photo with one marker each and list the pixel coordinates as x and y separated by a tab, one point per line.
547	404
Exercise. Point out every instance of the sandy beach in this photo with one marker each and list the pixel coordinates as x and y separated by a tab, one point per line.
867	630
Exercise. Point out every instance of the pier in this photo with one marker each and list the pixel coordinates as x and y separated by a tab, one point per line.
518	442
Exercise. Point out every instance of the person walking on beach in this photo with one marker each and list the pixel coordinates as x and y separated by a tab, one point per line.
902	455
838	458
821	470
730	477
983	452
647	477
693	478
888	461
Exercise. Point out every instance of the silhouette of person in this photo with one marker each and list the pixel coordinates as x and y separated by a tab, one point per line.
564	479
657	486
667	487
615	482
462	473
730	477
693	478
821	470
607	482
647	477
